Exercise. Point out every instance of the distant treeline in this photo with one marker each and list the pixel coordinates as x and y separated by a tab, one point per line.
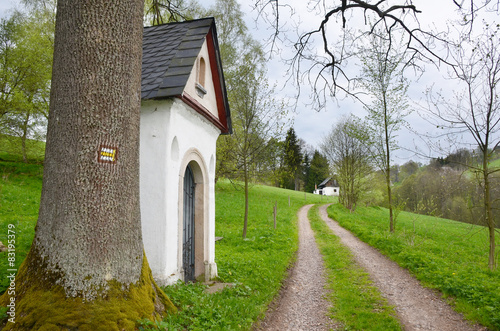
448	187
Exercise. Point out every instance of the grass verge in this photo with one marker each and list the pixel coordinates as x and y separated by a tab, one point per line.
20	189
356	303
446	255
256	266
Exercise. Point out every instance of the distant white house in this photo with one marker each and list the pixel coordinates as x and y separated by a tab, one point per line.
184	109
328	187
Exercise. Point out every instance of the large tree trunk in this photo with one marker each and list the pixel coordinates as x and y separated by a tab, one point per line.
86	268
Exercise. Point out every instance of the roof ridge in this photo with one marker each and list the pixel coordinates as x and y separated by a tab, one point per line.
183	22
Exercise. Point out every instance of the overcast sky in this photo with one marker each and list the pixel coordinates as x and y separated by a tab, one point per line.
5	6
312	124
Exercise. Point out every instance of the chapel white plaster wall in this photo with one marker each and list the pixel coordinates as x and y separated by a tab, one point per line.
201	141
154	163
165	124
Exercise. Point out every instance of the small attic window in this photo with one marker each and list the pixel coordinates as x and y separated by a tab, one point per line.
200	84
202	72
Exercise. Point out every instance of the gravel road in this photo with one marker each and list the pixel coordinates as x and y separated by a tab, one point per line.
301	305
418	308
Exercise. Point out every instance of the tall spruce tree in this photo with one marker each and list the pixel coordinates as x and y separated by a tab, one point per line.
319	170
293	160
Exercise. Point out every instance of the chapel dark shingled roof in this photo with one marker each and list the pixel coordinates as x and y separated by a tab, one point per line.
169	53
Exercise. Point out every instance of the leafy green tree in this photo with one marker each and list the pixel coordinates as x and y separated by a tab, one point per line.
346	149
408	169
256	120
233	33
442	192
166	11
257	117
461	159
271	169
384	82
233	37
25	74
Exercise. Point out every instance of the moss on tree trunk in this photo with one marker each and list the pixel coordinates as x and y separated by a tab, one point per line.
86	269
41	304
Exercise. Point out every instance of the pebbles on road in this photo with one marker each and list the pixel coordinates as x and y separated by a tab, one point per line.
302	304
418	308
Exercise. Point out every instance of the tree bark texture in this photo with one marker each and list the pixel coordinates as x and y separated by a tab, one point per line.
89	221
88	242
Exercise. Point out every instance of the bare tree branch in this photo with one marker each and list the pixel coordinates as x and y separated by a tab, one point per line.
397	17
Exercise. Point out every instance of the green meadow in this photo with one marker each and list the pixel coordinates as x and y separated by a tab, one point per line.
443	254
254	267
20	188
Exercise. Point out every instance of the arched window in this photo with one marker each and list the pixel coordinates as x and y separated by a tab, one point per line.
200	84
202	72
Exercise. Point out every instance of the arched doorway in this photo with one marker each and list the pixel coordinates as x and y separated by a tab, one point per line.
193	244
188	243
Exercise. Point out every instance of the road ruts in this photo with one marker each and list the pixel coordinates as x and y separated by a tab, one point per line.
302	305
418	308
